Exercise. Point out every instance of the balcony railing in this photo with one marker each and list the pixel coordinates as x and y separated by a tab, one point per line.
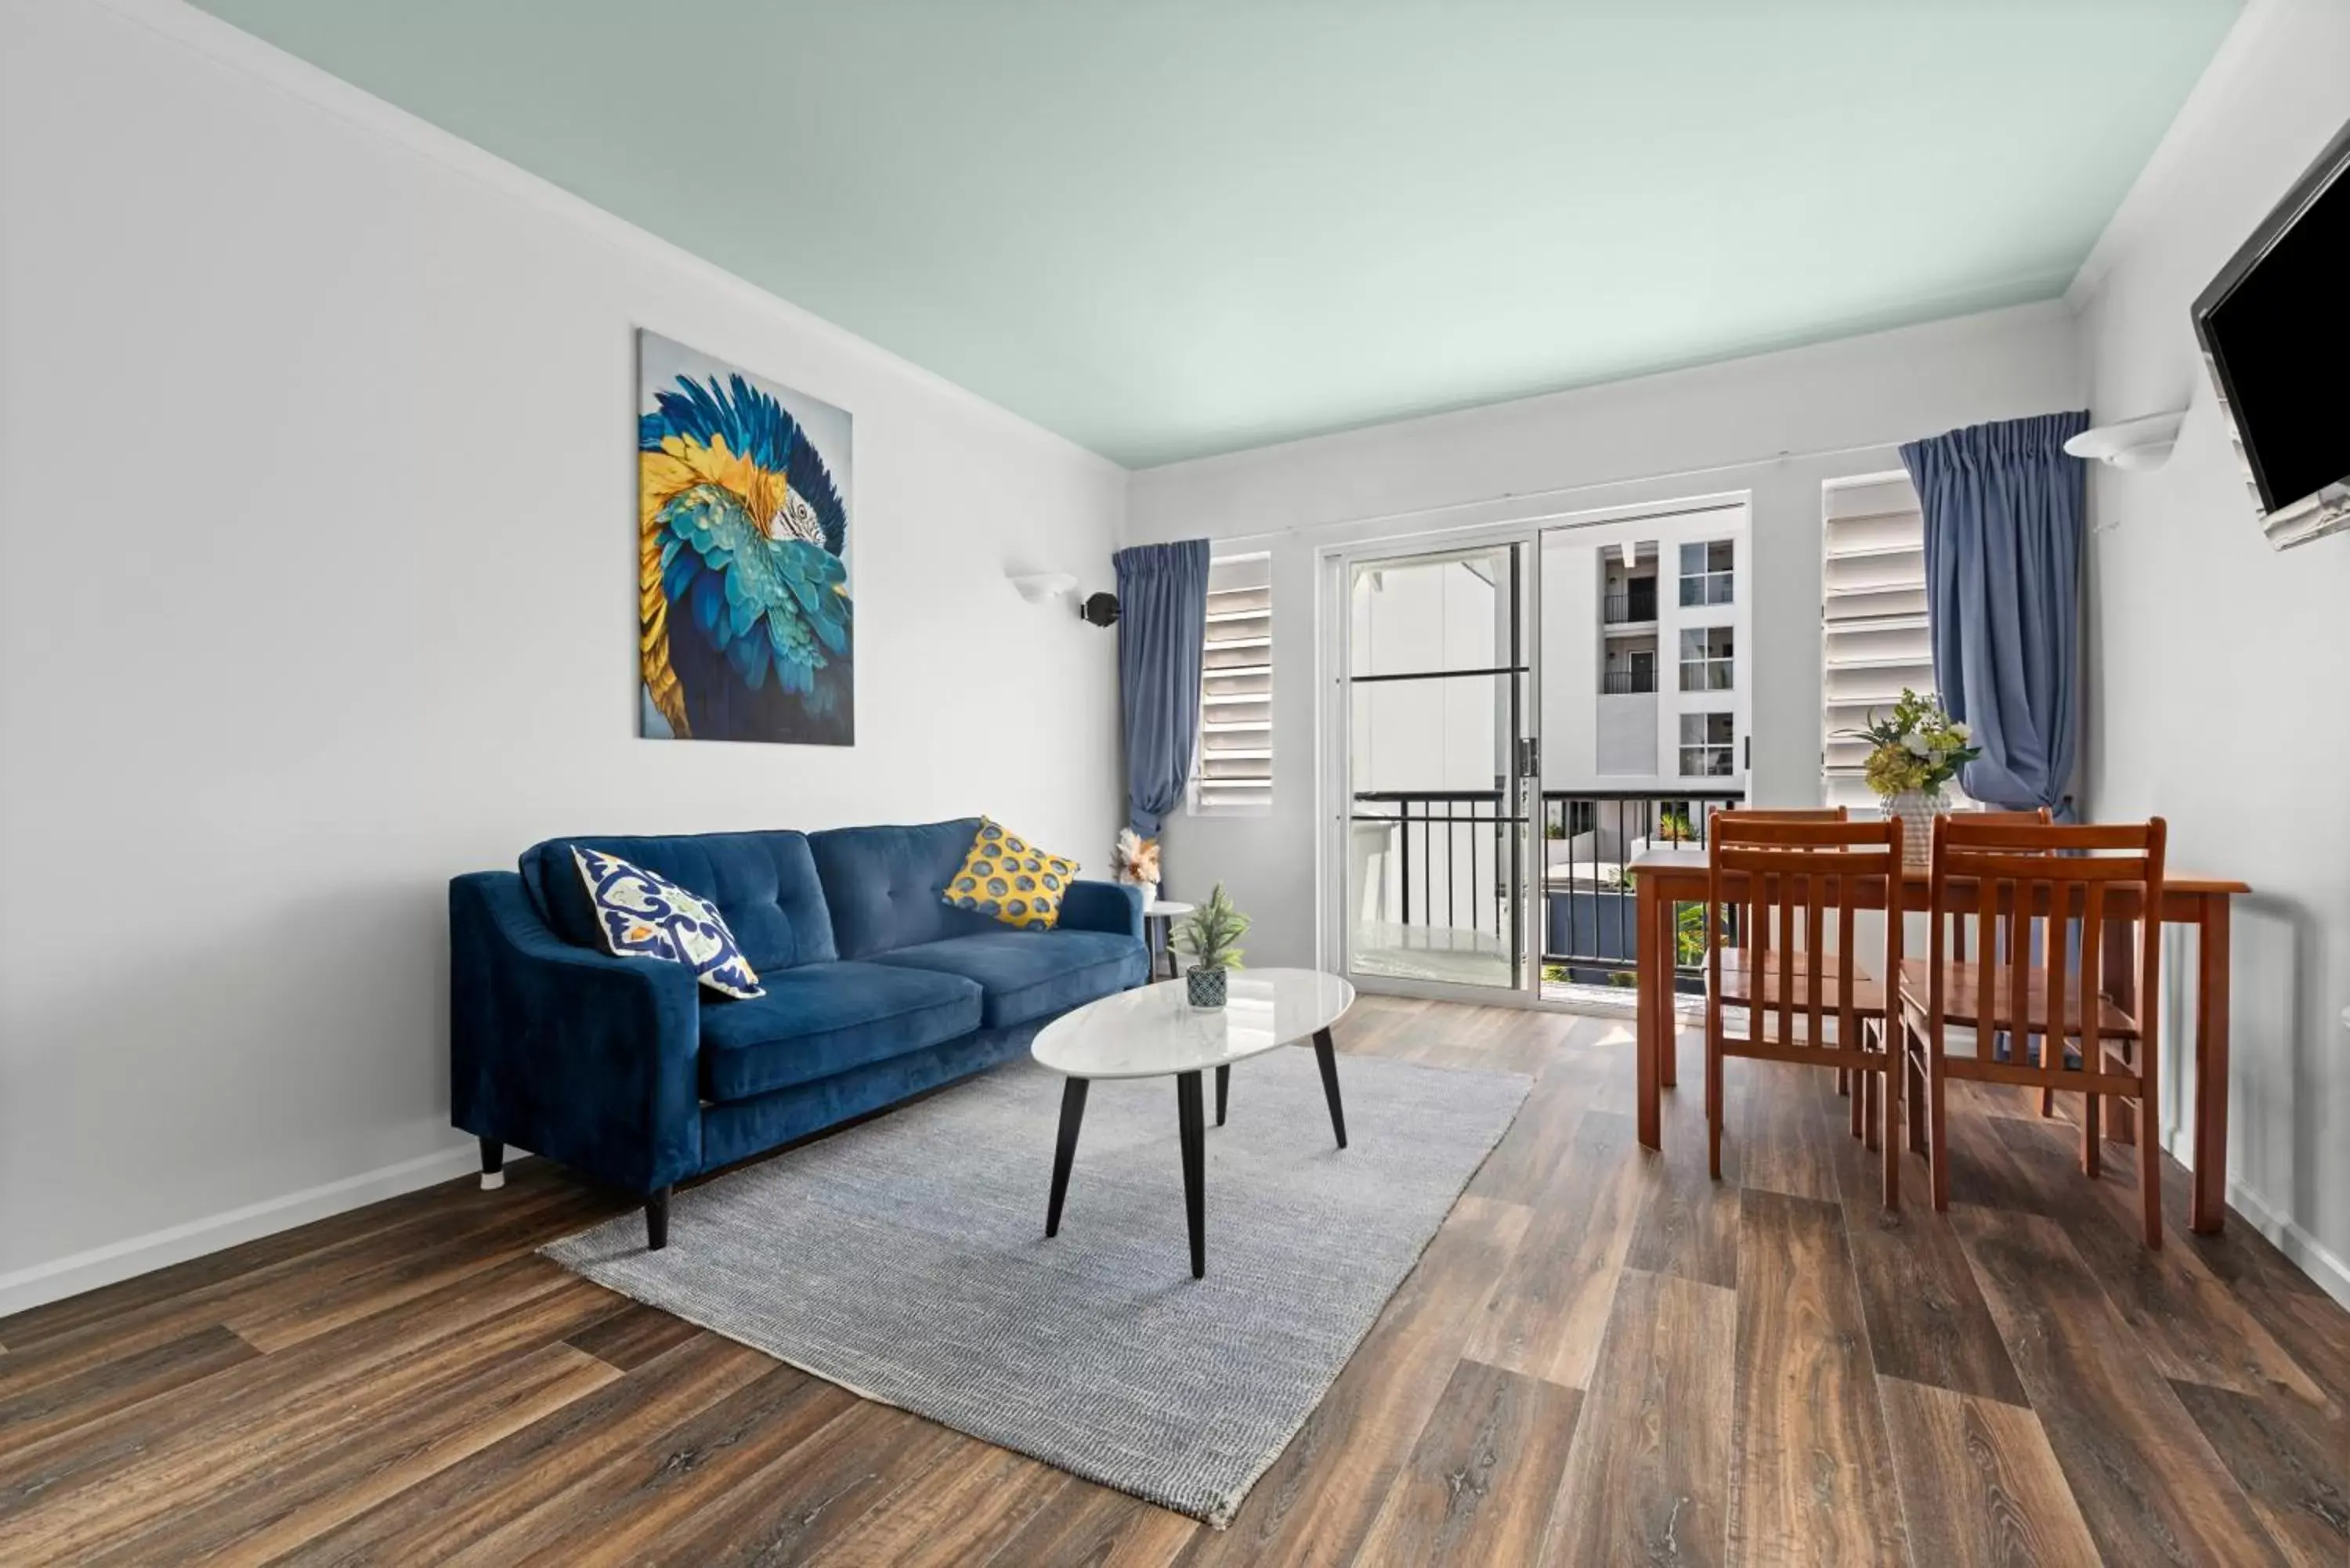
1590	929
1626	682
1618	609
1434	879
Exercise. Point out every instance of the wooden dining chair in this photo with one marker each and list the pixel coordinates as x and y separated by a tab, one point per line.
2039	817
1774	892
1738	813
2027	889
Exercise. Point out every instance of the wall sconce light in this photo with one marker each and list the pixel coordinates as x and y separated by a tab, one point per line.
2136	445
1036	587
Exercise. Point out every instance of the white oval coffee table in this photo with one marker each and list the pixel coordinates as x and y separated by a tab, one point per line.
1152	1032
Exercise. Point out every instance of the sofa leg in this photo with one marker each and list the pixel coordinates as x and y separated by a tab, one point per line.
657	1219
493	1165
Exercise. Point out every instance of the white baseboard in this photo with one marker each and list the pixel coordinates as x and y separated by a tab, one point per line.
80	1272
2309	1254
71	1275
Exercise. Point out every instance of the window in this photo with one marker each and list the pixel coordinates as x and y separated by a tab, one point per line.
1707	658
1234	773
1707	576
1873	640
1708	744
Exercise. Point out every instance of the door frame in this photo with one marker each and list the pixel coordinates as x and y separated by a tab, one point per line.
1335	568
1333	565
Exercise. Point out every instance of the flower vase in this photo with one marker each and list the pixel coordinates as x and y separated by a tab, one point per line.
1916	809
1150	893
1204	987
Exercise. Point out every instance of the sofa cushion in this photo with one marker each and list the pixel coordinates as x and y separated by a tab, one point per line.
821	1019
1006	876
1027	974
640	915
763	884
883	884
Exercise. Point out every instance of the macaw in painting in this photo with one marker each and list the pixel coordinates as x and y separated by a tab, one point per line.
745	602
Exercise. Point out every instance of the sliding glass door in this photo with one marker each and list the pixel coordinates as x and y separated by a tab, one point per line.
1435	708
1515	722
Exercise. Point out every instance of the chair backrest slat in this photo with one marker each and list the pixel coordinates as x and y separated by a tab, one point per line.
1986	946
2059	963
2019	965
1786	884
2091	921
1847	1015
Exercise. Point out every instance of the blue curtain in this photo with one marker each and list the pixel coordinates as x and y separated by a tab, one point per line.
2005	510
1162	618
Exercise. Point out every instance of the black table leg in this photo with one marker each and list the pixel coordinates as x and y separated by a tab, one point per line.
1072	1112
1223	1090
1191	1122
1327	1055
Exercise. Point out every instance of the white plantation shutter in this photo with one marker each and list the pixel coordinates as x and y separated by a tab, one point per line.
1234	773
1873	639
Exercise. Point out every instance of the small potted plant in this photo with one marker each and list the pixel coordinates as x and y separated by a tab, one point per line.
1207	936
1914	752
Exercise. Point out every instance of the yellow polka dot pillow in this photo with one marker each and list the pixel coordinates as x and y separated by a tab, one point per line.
1008	878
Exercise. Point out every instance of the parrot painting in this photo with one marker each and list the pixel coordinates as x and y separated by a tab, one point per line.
745	618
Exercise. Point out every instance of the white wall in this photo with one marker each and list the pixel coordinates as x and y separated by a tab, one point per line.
2219	667
318	490
1831	409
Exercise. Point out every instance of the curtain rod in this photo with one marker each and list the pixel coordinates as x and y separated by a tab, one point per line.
1787	455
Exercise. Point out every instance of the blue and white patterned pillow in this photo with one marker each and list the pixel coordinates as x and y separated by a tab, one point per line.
645	916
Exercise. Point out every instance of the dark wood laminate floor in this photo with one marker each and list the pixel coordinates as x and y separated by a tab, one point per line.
1604	1357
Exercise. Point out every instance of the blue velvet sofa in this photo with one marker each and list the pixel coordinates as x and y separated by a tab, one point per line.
626	1069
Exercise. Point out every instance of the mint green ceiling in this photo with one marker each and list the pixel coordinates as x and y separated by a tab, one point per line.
1172	229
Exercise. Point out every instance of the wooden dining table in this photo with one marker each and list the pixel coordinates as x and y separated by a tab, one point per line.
1664	879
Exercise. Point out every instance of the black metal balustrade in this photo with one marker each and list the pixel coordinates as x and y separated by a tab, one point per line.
1626	682
1453	868
1590	926
1638	604
1456	827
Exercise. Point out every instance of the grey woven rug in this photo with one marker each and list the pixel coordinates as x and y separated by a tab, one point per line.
906	1260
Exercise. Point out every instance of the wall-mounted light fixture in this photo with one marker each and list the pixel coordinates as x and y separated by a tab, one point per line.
2136	445
1036	587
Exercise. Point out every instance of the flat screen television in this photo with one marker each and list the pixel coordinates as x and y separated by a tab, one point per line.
2275	330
